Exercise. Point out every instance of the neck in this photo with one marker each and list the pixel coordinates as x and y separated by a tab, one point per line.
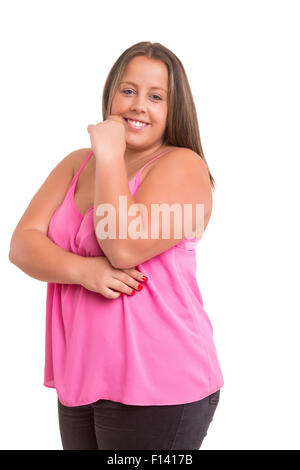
133	157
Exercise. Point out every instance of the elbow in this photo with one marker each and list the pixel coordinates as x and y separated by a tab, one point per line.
121	261
120	264
10	257
118	257
15	249
11	251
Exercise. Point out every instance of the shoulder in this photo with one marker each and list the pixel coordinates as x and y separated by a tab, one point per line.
181	171
78	157
182	162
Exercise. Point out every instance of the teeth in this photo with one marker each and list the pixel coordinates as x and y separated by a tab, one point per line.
137	123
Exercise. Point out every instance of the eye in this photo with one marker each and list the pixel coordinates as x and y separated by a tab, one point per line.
123	91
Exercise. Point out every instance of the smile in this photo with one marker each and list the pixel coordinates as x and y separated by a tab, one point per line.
136	125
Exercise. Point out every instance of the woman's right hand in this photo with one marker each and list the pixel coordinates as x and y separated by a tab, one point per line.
98	275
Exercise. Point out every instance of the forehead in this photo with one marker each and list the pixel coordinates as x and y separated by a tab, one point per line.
143	71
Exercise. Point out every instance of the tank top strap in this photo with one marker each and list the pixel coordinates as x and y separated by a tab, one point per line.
138	175
82	165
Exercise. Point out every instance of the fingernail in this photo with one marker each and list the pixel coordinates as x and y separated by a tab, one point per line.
140	287
144	278
132	292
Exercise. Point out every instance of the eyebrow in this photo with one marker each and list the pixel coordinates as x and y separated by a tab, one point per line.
153	87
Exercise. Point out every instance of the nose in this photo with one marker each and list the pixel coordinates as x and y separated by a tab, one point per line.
138	105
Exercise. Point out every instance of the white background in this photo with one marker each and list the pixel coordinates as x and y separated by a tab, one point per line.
242	62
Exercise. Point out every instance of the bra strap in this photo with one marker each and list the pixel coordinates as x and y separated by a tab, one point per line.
150	161
82	165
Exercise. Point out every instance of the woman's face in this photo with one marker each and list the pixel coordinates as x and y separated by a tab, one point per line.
142	96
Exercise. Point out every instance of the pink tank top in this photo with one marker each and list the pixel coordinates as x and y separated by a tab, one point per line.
153	348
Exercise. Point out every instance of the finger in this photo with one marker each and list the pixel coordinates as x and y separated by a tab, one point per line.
115	117
90	127
126	279
136	274
119	286
111	294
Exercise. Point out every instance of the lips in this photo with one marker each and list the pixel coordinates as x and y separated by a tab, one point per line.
133	119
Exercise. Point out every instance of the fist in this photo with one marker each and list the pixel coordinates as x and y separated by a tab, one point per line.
108	137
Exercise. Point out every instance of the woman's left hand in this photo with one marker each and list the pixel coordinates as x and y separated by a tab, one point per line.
108	137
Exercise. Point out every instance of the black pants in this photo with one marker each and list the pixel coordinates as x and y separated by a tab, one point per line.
105	425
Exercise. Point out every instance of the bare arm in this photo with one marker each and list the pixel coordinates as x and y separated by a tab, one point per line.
180	177
36	255
30	248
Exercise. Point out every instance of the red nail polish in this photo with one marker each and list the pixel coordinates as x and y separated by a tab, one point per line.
145	278
132	292
140	287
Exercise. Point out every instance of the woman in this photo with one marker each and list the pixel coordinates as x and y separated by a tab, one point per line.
131	372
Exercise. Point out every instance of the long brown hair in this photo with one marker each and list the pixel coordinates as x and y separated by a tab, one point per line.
182	128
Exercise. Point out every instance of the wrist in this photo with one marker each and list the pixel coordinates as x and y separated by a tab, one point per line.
76	268
109	155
